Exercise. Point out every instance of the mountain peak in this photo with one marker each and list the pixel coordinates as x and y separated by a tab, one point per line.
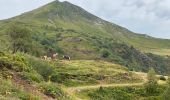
61	10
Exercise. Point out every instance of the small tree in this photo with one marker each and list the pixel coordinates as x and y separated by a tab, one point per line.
20	38
151	85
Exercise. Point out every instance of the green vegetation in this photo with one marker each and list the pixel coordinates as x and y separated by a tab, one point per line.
151	85
53	91
17	77
9	91
22	73
55	28
20	38
120	93
27	72
102	55
82	72
166	95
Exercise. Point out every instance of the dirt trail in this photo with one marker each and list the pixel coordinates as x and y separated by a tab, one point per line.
77	89
18	82
72	90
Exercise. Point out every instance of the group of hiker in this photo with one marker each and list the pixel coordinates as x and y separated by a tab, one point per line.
54	56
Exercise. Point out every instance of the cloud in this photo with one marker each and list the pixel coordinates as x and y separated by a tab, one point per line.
142	16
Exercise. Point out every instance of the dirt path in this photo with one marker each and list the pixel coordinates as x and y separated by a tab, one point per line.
72	90
18	82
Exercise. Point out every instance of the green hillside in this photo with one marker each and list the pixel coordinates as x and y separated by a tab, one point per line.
24	77
108	62
69	30
68	16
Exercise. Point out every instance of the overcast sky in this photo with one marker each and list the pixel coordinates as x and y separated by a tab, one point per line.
150	17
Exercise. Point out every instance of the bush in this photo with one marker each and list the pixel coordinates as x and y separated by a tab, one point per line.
152	85
162	78
166	94
52	90
27	96
105	53
41	67
16	62
31	77
110	94
6	86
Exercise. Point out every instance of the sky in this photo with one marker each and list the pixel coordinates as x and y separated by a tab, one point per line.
150	17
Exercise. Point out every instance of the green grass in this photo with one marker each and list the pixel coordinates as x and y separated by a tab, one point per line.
9	91
56	78
38	21
70	30
101	53
120	93
89	72
81	72
53	90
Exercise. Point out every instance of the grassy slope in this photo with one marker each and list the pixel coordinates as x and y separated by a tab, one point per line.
91	72
54	22
22	75
120	93
26	77
67	16
72	31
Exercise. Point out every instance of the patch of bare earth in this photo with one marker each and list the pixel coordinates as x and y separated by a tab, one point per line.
18	82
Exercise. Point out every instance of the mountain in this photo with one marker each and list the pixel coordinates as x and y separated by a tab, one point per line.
70	30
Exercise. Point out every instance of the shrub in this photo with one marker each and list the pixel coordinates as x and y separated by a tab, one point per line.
52	90
166	94
16	62
105	53
110	94
31	76
162	78
61	77
152	85
41	67
27	96
6	86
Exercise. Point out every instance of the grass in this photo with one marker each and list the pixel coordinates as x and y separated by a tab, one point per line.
82	72
119	93
61	79
53	90
8	90
162	52
88	72
90	42
84	36
68	73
